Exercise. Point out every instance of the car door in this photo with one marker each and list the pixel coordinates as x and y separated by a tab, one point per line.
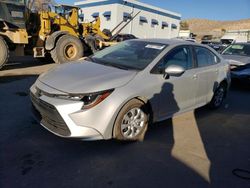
207	73
177	92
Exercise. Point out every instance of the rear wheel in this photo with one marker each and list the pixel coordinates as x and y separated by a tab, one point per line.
132	122
68	48
218	98
4	52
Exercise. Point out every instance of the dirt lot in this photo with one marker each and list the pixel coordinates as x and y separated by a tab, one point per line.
196	149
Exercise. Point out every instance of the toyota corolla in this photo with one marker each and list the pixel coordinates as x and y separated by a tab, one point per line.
116	92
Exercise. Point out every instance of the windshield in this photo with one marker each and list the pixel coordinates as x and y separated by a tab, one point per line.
129	54
63	10
237	49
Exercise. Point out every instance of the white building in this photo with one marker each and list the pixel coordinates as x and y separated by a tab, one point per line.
151	22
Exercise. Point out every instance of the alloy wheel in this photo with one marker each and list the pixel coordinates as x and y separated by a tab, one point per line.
219	96
132	123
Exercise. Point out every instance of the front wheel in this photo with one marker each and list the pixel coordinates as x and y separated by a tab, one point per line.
132	122
68	48
218	98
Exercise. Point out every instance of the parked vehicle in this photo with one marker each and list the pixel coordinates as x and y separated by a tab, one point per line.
235	36
117	91
214	44
13	34
190	40
186	35
123	37
45	29
238	56
207	38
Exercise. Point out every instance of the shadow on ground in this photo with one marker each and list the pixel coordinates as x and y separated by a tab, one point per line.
24	62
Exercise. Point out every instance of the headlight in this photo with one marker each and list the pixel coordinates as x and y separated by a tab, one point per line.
89	100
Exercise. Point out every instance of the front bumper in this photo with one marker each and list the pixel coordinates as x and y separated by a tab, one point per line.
55	115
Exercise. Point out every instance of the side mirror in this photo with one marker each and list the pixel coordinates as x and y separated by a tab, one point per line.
173	70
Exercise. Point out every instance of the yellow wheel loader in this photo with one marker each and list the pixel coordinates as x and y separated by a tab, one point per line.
13	35
44	29
60	34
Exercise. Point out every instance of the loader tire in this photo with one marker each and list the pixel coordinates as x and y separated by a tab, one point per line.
4	52
68	48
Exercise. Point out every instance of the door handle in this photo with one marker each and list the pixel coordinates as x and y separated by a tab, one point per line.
216	71
195	76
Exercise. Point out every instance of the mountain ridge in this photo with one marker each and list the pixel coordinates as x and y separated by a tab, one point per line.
215	27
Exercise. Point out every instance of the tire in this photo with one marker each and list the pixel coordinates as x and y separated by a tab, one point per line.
91	43
218	98
68	48
4	52
135	130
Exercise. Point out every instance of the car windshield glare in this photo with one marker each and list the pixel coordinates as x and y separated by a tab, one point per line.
131	54
237	49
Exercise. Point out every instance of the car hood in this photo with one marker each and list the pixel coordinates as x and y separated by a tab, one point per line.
237	59
85	77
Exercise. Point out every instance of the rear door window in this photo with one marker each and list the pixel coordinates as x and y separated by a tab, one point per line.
205	57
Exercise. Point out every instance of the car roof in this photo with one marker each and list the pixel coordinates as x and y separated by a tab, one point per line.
168	41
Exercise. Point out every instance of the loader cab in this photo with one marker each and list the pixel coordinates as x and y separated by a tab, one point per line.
69	13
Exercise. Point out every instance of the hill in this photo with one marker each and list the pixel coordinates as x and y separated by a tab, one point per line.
211	27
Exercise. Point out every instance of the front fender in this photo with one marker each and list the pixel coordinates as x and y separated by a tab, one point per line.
51	40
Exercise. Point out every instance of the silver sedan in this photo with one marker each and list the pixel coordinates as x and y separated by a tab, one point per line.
116	92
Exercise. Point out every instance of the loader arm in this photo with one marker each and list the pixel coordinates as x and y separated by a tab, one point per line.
93	28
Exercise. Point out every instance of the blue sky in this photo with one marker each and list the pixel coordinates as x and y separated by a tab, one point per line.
208	9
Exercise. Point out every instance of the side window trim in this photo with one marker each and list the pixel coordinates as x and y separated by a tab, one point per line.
194	56
155	70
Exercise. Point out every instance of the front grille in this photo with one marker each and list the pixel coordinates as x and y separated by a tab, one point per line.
50	117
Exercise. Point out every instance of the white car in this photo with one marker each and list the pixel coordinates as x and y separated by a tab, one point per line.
115	93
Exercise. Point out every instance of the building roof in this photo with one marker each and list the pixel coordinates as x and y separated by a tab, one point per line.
130	3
